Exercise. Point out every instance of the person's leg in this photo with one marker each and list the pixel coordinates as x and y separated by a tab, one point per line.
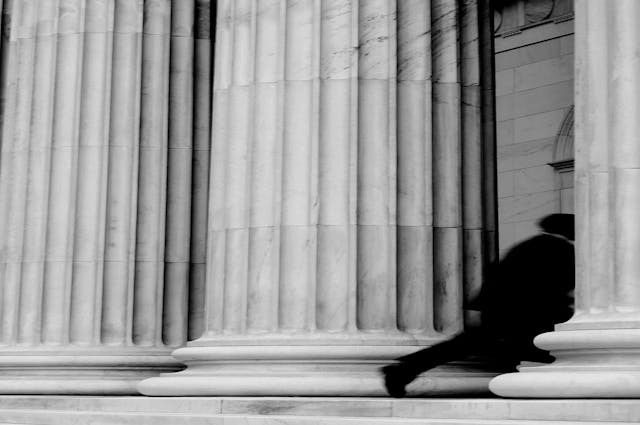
399	375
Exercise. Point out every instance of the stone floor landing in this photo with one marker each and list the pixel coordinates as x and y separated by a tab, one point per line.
85	410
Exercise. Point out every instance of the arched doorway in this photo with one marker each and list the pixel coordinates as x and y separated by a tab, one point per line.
563	162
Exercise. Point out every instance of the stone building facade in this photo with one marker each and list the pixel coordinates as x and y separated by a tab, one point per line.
534	113
271	199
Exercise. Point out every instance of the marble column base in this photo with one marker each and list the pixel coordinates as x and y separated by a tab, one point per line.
304	371
601	363
74	371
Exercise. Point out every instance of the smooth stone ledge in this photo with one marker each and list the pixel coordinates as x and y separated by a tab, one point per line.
82	373
307	371
72	410
590	363
311	384
545	382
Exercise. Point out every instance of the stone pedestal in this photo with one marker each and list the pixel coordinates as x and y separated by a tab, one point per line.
347	221
95	181
597	351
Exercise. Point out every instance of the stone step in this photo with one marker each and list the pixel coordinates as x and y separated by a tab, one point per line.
83	410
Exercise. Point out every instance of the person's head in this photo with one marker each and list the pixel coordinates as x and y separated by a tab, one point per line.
558	224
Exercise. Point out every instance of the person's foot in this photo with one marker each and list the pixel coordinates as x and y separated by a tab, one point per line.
395	379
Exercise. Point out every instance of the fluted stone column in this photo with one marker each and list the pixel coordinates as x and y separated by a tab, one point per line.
347	219
95	180
598	351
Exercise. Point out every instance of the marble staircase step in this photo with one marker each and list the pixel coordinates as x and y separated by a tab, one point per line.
84	410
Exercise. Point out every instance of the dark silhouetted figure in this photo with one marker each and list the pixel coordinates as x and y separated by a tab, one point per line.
525	295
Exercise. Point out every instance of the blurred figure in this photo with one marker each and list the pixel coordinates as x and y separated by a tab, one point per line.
528	292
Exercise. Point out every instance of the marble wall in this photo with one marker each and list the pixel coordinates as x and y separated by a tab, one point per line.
534	95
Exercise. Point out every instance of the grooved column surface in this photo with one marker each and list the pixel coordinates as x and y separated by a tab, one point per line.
348	215
96	170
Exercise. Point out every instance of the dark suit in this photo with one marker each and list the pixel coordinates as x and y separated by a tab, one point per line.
525	295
